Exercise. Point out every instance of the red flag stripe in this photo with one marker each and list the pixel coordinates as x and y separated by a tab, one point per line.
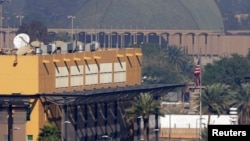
197	72
197	69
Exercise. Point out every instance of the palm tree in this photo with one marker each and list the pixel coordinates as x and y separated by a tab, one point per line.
130	127
63	36
175	56
183	64
216	99
49	133
143	106
243	103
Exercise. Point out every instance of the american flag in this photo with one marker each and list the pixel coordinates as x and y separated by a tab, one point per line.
197	72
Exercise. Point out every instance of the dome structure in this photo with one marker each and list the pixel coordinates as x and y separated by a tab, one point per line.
151	14
141	14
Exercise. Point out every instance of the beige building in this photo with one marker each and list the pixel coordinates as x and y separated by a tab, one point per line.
26	77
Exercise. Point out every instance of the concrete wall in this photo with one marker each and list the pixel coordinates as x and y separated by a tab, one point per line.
188	126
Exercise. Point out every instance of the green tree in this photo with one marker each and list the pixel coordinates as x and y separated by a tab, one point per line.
216	99
158	75
175	55
159	65
63	36
36	31
243	103
183	63
228	70
49	133
130	126
143	106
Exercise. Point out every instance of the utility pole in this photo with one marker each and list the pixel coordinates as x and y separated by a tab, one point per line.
72	25
20	19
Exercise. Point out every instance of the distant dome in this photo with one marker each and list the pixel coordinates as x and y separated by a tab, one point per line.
151	14
148	14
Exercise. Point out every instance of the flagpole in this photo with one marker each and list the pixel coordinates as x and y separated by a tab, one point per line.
199	57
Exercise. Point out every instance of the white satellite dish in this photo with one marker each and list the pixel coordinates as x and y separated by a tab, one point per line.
21	40
23	50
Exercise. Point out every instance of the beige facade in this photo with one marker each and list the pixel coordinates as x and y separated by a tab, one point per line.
71	71
210	43
58	73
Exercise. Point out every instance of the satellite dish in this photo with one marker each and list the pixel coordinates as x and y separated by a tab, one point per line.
23	50
21	40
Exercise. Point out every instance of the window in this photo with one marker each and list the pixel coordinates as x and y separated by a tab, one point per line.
106	73
62	79
120	72
76	78
91	74
30	137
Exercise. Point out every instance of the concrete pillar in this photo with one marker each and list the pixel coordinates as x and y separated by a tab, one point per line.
160	36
